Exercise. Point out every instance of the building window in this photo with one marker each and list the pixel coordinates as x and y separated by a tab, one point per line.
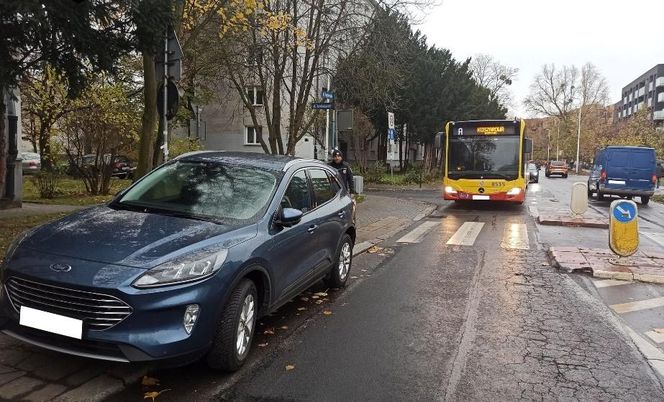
660	97
252	134
649	102
255	95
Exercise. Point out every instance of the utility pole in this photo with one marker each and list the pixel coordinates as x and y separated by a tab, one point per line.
164	118
578	140
558	141
327	126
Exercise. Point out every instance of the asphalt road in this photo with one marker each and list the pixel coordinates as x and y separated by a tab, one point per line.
460	306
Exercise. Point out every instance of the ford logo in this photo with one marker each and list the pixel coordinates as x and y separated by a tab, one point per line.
60	267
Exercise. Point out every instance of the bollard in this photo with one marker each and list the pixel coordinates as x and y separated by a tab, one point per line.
358	184
579	201
623	229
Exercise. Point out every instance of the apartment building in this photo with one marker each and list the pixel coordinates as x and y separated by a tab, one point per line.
647	91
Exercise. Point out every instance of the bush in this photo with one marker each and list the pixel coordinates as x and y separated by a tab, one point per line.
375	173
47	183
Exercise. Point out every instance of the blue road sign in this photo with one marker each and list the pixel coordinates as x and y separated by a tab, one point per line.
327	95
322	106
391	134
624	212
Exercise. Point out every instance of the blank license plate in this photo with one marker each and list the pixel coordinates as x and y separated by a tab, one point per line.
617	182
49	322
481	197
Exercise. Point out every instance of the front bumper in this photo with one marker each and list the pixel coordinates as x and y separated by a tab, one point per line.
558	171
502	196
154	330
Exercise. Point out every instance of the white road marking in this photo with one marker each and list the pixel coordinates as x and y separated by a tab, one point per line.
515	236
656	335
466	234
638	305
605	283
416	235
654	355
656	237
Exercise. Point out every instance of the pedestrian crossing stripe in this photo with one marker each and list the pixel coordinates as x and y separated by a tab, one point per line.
605	283
630	307
466	234
416	235
515	236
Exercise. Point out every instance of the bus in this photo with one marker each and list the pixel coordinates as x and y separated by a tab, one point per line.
485	160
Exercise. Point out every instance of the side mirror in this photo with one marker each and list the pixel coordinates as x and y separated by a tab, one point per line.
289	217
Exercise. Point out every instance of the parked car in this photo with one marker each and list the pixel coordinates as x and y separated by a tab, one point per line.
559	168
624	171
31	162
181	264
123	167
533	173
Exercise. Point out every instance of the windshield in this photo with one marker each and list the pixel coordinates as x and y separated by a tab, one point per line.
532	166
484	157
221	192
558	163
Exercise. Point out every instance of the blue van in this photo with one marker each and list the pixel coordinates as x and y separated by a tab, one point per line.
624	171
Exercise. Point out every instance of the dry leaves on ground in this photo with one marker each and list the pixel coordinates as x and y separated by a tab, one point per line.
149	381
290	367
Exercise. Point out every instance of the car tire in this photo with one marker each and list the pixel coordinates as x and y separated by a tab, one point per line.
564	176
226	354
590	193
340	271
645	200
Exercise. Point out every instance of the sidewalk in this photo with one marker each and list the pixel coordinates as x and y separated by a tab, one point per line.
643	266
38	209
379	218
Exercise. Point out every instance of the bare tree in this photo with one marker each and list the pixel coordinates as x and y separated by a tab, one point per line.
553	91
594	89
494	76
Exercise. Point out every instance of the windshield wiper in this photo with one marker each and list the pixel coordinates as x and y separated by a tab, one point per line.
163	211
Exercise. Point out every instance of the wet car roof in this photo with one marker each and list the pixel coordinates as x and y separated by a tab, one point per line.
260	160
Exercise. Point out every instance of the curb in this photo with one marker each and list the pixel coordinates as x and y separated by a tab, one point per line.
642	267
558	220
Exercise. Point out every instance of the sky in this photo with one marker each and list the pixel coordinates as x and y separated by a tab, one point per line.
624	39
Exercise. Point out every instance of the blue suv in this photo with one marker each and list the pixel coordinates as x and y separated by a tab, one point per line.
180	265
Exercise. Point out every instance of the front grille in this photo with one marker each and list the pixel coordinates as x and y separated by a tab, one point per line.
98	311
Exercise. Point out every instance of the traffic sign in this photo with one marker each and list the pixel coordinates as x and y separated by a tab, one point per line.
322	106
391	134
327	95
390	120
623	227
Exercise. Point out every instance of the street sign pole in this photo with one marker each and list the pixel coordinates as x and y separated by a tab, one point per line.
164	118
327	126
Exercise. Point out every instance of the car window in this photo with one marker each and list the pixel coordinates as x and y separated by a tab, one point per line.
297	194
532	166
210	189
557	163
320	182
335	186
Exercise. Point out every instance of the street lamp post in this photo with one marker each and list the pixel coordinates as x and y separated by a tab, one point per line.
578	140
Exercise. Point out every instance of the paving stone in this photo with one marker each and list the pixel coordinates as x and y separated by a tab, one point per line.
94	390
83	376
46	394
10	376
128	373
19	386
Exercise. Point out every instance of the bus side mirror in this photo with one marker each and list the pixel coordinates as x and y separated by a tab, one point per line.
438	141
528	146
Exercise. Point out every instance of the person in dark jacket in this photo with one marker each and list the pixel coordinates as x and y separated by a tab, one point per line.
343	168
659	173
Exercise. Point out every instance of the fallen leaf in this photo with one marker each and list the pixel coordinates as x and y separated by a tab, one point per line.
154	394
321	294
301	308
659	330
319	302
290	367
353	277
149	381
315	297
304	298
373	249
363	270
262	345
268	332
544	264
327	312
284	327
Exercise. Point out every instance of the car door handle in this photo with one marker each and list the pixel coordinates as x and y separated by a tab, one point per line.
312	228
341	214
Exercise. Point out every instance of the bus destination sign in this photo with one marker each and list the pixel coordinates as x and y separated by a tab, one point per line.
484	130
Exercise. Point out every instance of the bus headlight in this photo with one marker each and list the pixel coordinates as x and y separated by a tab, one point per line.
450	190
514	191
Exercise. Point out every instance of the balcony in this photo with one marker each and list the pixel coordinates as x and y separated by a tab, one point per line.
660	97
658	115
659	82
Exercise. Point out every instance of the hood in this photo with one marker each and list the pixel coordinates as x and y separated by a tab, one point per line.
130	238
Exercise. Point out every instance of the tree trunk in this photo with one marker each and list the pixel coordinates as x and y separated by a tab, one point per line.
4	141
149	121
45	148
157	152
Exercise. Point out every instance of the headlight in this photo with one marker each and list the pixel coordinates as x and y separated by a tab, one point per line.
514	191
450	190
191	267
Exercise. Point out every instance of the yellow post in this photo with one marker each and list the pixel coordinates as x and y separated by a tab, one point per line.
623	227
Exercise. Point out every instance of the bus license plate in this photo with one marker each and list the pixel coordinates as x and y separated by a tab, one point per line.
481	197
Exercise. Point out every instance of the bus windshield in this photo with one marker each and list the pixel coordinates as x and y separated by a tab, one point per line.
484	157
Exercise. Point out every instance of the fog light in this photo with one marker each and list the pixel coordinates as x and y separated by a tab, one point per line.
514	191
190	317
450	190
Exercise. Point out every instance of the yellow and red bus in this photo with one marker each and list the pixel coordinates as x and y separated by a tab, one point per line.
486	160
